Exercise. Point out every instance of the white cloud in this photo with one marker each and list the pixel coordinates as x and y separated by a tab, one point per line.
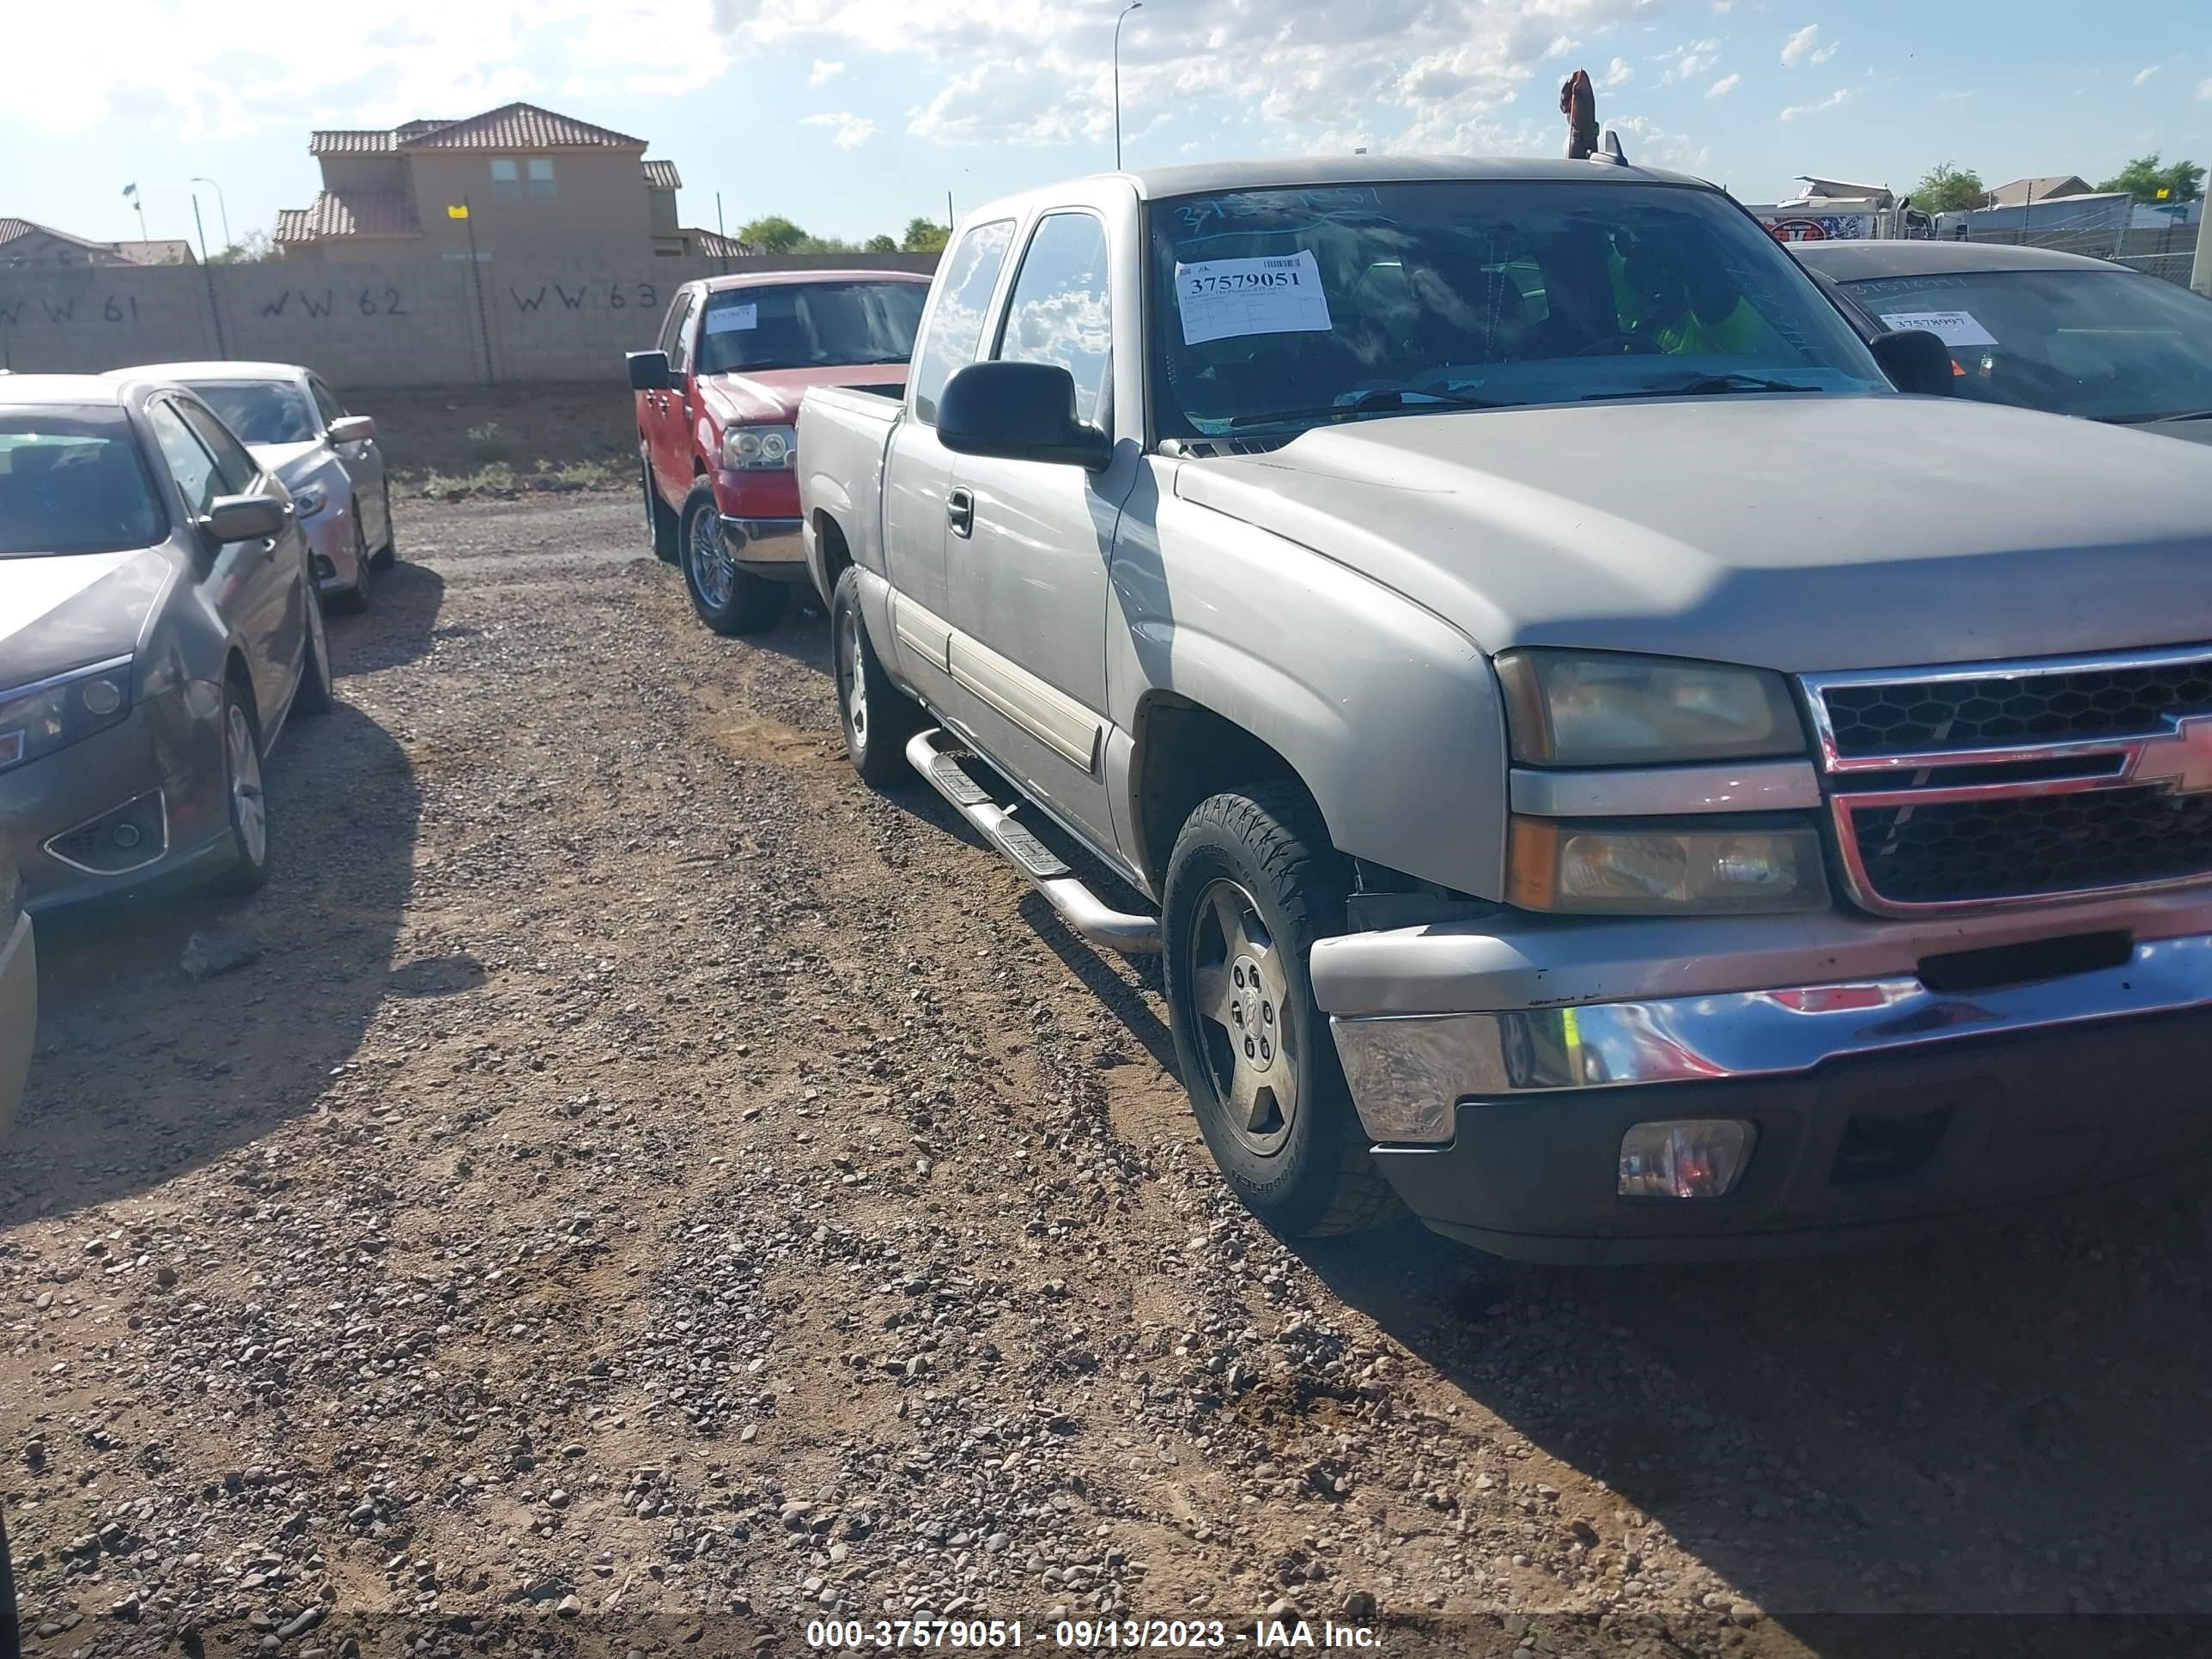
1646	140
1617	74
825	69
2144	74
2205	91
1687	63
1805	48
1833	99
852	131
1725	85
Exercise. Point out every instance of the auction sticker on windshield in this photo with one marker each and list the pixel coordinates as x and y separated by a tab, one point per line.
728	319
1953	328
1221	298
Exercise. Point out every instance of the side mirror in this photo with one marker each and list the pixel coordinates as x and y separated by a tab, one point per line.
1018	412
243	517
1915	361
649	370
353	430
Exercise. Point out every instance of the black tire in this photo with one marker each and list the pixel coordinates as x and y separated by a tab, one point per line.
246	858
878	718
661	521
314	697
388	555
728	601
1312	1176
355	601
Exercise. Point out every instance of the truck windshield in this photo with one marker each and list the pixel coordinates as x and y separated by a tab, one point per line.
2112	345
1284	309
73	481
809	325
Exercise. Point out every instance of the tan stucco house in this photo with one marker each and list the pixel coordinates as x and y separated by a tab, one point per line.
536	184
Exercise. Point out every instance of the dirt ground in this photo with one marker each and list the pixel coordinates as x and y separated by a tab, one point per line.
650	1191
449	435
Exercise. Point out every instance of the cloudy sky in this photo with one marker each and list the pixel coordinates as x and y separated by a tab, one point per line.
853	115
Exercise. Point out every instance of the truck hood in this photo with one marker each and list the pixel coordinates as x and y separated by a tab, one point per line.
65	609
773	394
1795	533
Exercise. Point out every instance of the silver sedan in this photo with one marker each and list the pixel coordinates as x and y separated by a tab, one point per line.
328	458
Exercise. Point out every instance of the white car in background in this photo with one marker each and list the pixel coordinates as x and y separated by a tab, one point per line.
329	459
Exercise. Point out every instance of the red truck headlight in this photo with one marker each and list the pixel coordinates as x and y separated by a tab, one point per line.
759	448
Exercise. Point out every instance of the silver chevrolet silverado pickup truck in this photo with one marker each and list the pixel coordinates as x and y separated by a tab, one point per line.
1427	585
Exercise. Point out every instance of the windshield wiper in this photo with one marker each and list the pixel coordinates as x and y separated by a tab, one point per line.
1706	383
1386	399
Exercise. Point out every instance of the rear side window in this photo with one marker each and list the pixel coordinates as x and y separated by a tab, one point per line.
955	326
1059	312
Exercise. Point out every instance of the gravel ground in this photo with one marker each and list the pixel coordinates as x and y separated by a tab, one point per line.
649	1189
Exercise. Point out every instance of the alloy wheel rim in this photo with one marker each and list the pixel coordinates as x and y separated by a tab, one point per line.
712	570
849	680
1247	1034
248	807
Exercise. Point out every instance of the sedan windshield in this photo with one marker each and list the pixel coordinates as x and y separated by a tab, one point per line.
261	411
1291	308
809	325
72	480
2112	345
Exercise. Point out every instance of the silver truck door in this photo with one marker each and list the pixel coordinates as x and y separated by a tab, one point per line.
918	471
1029	573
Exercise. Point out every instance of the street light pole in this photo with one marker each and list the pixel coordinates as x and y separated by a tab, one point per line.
1133	5
222	208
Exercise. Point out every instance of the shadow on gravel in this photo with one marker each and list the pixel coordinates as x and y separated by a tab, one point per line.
141	1073
2006	1421
399	630
802	637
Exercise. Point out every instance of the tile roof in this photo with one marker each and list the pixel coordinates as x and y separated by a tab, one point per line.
521	126
12	228
2042	189
714	246
352	141
661	175
349	213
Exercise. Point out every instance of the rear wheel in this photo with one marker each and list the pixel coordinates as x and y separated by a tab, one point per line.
1252	881
878	717
728	601
659	522
247	855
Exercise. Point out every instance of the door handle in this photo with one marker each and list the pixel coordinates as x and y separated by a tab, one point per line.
960	512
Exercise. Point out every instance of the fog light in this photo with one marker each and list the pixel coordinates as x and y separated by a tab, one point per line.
1684	1156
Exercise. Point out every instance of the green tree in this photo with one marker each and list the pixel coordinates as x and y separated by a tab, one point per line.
2144	179
1948	189
923	236
775	234
256	247
881	244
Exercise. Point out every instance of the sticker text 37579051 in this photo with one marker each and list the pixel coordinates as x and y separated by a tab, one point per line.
1221	298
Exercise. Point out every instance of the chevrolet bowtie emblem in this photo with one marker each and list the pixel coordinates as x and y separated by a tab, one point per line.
2181	759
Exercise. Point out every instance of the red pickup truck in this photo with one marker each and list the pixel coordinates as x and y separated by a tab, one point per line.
717	400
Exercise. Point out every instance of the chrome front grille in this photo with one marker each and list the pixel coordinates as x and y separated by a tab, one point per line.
2019	782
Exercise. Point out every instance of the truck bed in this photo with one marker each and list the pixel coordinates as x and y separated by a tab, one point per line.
844	435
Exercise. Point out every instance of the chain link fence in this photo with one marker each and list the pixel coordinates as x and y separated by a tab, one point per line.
2166	253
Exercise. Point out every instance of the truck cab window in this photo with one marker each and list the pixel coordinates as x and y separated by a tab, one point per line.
1059	312
955	328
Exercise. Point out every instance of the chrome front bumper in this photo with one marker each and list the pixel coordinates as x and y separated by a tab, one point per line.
1408	1073
767	547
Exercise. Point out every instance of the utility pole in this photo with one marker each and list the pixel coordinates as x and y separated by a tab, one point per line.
723	250
1133	5
221	207
198	226
948	212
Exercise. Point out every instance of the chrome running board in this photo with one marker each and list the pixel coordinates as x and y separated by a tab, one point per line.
937	755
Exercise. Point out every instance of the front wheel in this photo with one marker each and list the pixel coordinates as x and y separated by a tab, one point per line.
878	717
355	600
728	601
247	855
1252	880
388	555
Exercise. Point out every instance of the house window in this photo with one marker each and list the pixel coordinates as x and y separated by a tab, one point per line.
541	178
506	179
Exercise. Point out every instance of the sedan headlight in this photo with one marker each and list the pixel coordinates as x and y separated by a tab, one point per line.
309	500
1659	867
1603	709
759	448
37	720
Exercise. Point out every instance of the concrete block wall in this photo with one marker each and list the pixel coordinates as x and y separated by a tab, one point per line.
417	322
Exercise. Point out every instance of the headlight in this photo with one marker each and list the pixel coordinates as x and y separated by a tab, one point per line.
759	448
1657	868
1601	709
308	500
37	720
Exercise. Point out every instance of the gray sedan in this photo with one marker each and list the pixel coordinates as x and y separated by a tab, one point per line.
2038	329
328	458
158	626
